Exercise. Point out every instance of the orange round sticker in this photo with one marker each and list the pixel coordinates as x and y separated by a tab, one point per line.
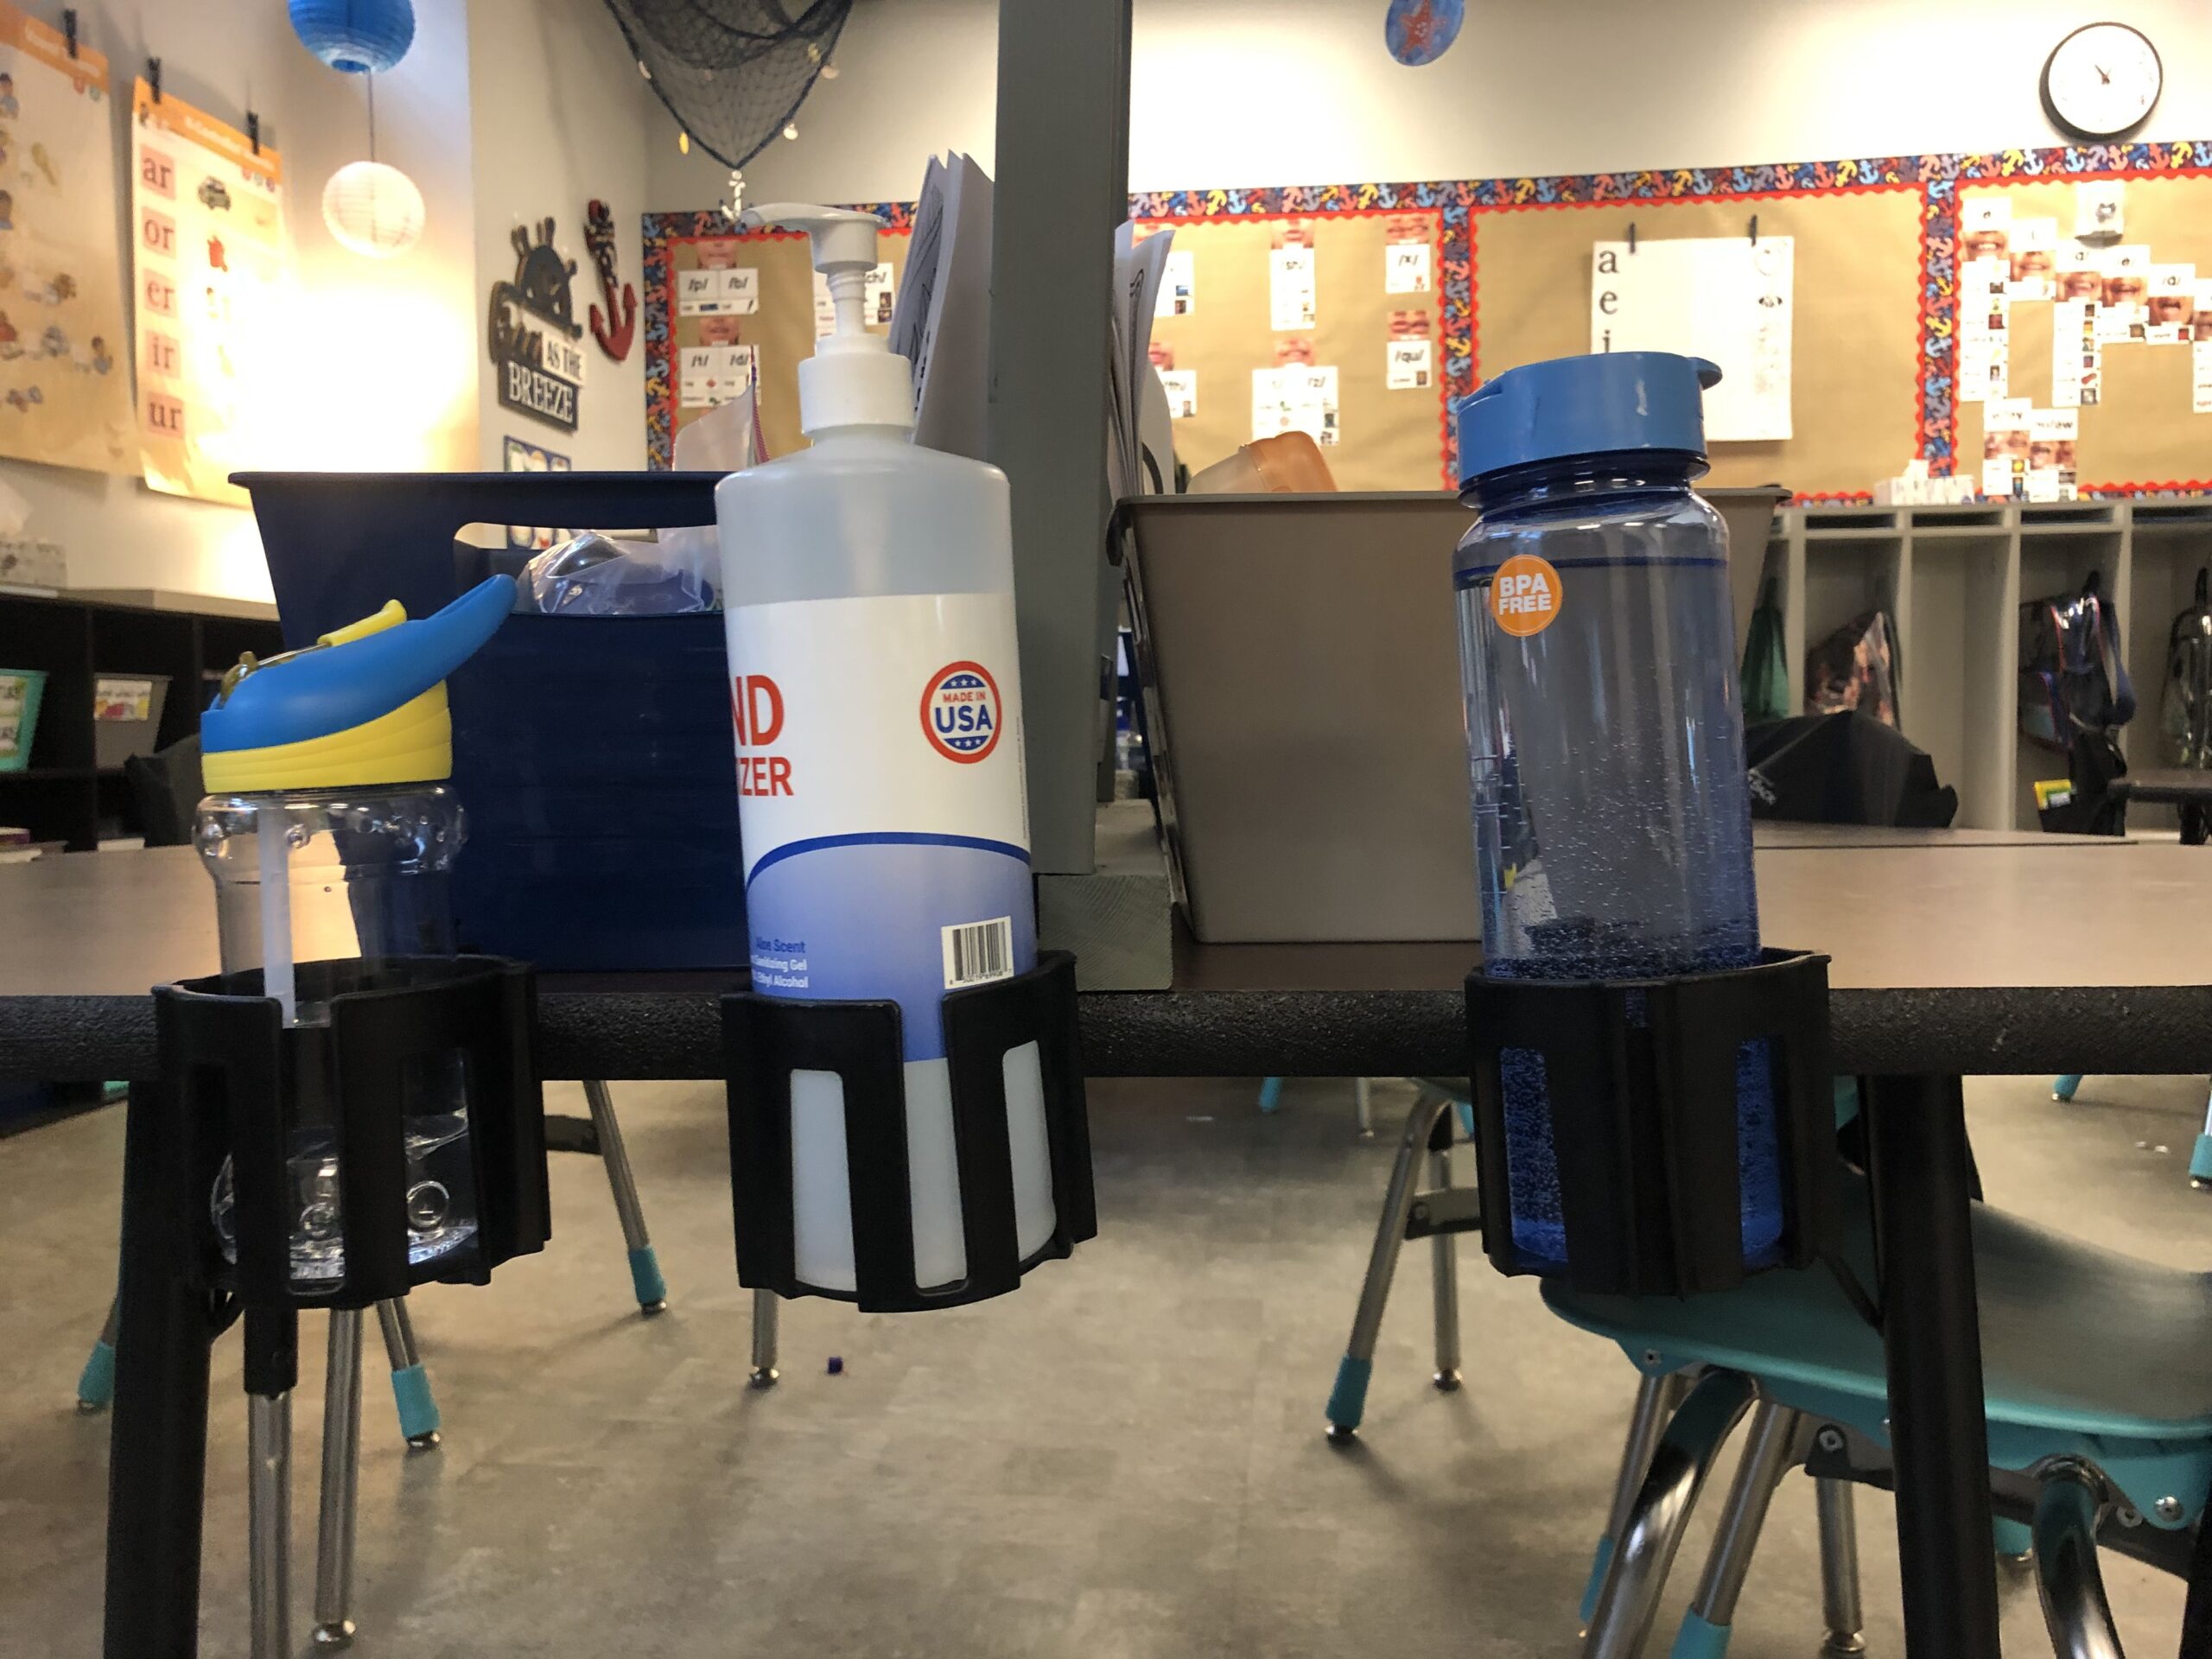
1525	596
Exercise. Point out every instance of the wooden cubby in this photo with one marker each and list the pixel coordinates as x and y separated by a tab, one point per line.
1953	579
64	795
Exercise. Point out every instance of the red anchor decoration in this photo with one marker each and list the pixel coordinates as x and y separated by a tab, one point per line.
613	336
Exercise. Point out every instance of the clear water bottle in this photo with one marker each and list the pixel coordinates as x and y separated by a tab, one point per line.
309	868
1605	740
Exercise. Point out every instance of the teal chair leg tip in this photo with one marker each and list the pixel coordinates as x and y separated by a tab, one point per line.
2063	1088
1348	1400
1598	1565
96	1384
1698	1639
2200	1160
2014	1538
645	1275
418	1412
1270	1093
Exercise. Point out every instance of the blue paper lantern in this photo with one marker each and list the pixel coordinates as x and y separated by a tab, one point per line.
356	37
1418	31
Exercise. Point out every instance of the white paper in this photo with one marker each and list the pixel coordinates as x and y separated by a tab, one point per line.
1295	397
1179	292
2201	382
2100	207
1182	388
1406	268
741	290
2005	444
1984	368
2033	258
1290	288
2077	363
1985	297
940	318
1408	365
708	375
2172	305
698	293
1726	299
2051	437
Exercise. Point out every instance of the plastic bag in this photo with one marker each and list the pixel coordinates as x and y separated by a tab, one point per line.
592	575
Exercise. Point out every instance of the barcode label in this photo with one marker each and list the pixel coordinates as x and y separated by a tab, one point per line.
978	952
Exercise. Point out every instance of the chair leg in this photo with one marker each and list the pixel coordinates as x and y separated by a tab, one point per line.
269	1524
1445	1264
410	1384
2063	1088
765	1313
1348	1398
645	1266
1836	1506
96	1383
1657	1397
2072	1591
1362	1107
341	1458
2200	1158
1270	1094
1768	1454
1629	1599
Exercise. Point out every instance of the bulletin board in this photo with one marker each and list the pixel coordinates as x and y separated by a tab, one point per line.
782	327
1385	438
1855	336
1875	339
2140	435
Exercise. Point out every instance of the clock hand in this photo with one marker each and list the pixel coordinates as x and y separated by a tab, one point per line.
2102	76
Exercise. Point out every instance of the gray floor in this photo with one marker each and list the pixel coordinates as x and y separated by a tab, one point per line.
1123	1459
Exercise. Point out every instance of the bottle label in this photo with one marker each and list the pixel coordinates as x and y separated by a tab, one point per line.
1525	594
880	798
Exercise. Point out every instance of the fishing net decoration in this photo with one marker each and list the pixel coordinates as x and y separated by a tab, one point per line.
732	72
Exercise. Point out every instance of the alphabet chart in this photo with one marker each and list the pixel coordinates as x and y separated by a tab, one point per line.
1726	299
65	384
207	249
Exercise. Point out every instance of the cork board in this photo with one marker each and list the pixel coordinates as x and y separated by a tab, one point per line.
782	327
1387	439
2140	435
1855	345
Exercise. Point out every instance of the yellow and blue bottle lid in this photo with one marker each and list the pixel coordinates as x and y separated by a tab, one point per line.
364	705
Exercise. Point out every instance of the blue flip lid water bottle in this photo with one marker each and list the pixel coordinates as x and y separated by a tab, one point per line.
1598	656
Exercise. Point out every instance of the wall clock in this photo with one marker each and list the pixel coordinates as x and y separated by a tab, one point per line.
2101	80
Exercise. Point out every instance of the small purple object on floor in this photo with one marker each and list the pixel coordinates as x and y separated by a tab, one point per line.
836	1366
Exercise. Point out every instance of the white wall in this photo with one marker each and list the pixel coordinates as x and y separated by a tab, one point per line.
560	116
1300	91
378	376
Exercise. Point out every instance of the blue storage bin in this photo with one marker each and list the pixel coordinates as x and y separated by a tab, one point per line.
594	753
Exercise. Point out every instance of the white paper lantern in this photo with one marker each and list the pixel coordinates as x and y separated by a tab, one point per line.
373	210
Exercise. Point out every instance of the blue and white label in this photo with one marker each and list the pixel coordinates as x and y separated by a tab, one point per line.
880	799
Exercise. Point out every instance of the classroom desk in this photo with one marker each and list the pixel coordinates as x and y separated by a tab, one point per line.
1951	954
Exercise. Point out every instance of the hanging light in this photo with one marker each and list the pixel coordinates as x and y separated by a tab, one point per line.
355	37
373	210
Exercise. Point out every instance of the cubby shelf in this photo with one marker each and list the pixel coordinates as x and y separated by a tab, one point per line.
63	795
1953	580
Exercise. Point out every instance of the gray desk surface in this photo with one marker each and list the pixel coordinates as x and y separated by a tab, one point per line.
1949	953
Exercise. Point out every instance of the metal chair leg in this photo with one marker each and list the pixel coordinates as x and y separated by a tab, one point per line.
1656	1399
410	1384
269	1524
96	1383
1445	1262
1768	1454
2074	1610
1837	1508
1348	1398
765	1314
341	1457
645	1266
1362	1107
1629	1599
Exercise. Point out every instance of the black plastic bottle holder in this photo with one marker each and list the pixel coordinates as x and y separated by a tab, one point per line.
1641	1083
239	1074
766	1039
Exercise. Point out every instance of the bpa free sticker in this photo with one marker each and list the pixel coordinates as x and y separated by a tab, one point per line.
1525	596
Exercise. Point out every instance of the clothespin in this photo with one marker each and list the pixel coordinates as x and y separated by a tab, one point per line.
253	130
1755	230
154	77
1631	236
69	27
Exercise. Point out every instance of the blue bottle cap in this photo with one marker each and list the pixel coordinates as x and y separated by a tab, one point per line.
1600	404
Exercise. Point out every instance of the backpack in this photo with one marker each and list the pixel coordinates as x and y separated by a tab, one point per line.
2071	678
2185	713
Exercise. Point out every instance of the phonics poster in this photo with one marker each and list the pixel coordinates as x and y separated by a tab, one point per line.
208	249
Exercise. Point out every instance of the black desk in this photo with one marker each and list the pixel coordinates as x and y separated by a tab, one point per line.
1947	960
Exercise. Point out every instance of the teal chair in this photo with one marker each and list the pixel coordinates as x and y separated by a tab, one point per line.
2098	1373
2200	1155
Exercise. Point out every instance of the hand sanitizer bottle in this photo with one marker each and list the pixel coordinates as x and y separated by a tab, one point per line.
868	588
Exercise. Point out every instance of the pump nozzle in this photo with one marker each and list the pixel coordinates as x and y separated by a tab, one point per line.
853	379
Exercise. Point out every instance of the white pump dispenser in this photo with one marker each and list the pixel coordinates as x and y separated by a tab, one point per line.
853	379
868	587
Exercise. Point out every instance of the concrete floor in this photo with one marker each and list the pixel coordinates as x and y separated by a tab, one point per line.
1124	1459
